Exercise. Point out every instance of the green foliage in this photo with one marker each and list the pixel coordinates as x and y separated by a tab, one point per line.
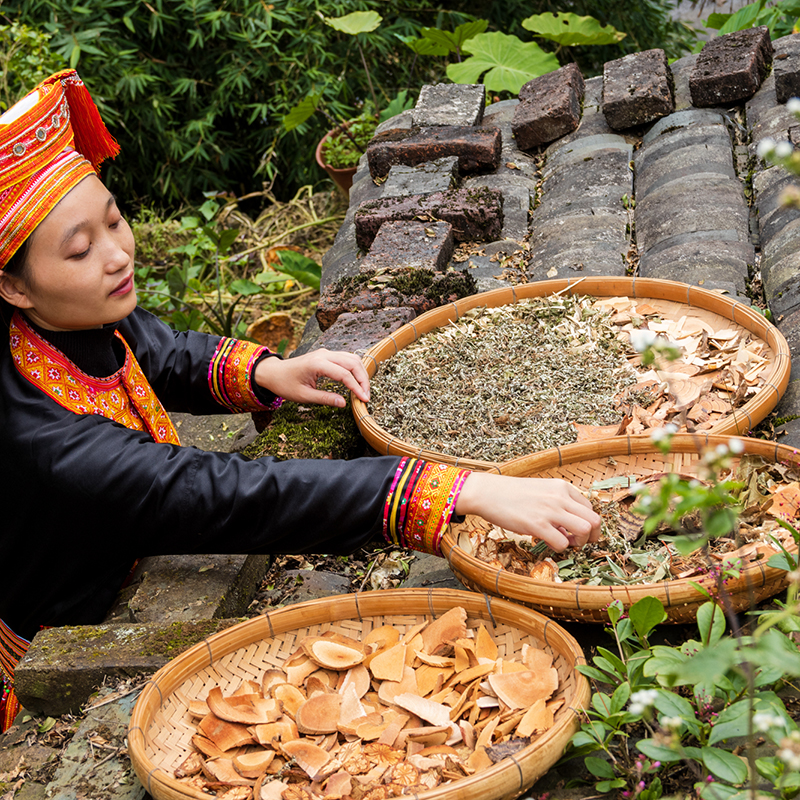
570	29
355	23
25	60
781	18
344	151
504	61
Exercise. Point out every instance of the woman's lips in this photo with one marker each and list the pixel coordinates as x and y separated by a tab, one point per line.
124	287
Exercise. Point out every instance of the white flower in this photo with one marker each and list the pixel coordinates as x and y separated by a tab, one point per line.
790	758
721	450
764	720
642	700
783	149
660	434
694	483
736	446
671	428
765	147
637	487
793	105
642	338
671	722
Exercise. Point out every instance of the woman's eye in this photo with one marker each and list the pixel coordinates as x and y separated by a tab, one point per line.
82	254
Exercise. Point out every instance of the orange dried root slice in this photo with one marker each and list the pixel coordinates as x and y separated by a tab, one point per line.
426	736
537	719
335	651
438	635
207	747
338	785
222	770
284	730
485	646
298	667
523	689
244	709
269	790
435	661
430	679
225	735
309	757
236	793
351	707
388	690
315	684
358	676
388	665
271	678
199	708
535	659
319	714
479	760
253	765
382	754
290	698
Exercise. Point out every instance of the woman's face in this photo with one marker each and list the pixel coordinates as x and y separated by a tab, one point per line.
80	263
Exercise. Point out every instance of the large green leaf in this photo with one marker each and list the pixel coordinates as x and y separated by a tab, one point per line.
301	112
301	268
646	613
357	22
724	765
454	40
569	29
507	62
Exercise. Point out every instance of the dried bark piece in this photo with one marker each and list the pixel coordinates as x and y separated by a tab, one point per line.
427	736
372	728
334	652
435	661
222	770
351	707
190	766
309	757
198	708
396	724
319	714
435	713
338	785
451	625
271	678
284	730
535	659
298	667
245	709
236	793
522	689
269	790
358	676
290	698
253	765
431	679
388	690
473	673
207	747
388	665
485	645
537	719
225	735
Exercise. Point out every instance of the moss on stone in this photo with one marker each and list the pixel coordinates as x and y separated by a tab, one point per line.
179	636
299	431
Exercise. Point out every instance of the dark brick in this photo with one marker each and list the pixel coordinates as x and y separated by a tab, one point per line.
786	67
637	89
450	104
357	332
478	149
418	289
730	68
425	178
475	214
549	107
418	245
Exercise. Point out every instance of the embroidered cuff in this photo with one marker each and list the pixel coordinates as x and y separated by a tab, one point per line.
229	376
421	503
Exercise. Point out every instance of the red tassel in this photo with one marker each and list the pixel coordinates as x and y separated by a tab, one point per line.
92	138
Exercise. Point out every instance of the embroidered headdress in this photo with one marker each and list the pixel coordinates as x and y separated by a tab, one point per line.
49	141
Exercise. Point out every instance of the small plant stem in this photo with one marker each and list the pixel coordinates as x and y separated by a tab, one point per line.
369	78
342	128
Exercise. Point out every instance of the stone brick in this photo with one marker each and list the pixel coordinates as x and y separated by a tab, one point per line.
786	67
196	587
730	68
418	289
475	214
549	107
358	332
65	665
410	245
449	104
637	89
477	149
681	72
426	178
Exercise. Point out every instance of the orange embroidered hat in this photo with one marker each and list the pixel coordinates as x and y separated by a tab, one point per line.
49	141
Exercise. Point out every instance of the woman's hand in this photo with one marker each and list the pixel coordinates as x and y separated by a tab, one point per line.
296	378
548	509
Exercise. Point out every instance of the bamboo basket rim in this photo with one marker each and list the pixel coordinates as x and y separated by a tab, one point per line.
739	422
576	600
362	605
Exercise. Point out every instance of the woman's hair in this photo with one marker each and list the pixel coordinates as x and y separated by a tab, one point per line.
17	266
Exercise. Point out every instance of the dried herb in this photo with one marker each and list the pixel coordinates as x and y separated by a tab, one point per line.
502	382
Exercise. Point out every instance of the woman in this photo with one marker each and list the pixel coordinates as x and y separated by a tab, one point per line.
92	469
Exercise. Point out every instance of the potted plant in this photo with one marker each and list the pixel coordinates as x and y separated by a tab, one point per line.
340	149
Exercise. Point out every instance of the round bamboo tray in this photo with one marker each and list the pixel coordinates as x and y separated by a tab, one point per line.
582	465
161	727
675	299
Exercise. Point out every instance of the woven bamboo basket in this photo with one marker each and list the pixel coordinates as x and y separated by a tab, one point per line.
672	298
582	465
161	727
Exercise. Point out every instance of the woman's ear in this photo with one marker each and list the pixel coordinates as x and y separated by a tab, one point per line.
14	291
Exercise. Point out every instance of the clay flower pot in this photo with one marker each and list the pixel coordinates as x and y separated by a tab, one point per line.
343	178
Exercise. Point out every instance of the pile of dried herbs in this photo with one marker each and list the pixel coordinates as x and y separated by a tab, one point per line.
623	556
506	381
